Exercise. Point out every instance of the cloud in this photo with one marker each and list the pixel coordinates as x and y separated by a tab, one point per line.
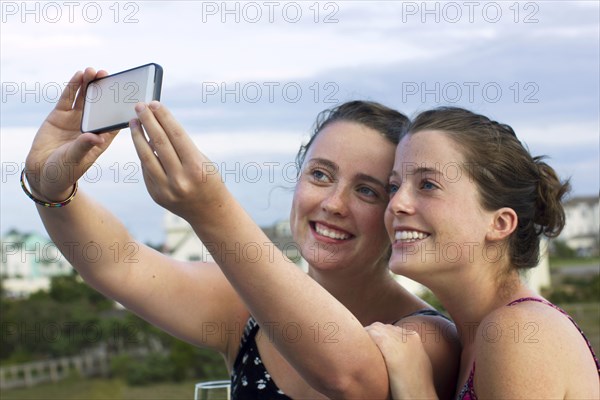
535	68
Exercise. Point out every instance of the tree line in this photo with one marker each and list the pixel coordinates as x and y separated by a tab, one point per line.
72	318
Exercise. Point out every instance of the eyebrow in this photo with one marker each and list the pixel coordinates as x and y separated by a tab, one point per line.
369	178
420	170
335	168
326	163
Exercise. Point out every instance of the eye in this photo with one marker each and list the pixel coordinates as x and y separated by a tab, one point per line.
428	185
367	191
318	175
392	188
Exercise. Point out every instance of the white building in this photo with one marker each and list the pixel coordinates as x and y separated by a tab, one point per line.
582	227
29	261
181	241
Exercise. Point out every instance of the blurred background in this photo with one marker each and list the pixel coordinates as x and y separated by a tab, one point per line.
247	80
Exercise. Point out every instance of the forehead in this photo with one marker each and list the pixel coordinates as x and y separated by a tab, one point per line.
352	144
428	148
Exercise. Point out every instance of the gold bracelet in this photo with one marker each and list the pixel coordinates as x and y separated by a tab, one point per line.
46	203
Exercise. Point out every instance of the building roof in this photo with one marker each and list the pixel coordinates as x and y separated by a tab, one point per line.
587	200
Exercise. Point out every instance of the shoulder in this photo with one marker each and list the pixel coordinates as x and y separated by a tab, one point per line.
525	350
432	328
525	327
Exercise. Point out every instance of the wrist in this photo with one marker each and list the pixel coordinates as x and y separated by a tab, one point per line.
46	201
413	390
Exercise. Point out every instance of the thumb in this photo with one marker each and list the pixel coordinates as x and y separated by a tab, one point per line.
80	154
87	148
80	148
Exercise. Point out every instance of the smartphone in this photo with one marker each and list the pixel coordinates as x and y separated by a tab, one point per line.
110	101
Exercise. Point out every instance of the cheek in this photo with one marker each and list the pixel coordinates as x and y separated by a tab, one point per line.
293	220
302	203
388	219
295	211
457	227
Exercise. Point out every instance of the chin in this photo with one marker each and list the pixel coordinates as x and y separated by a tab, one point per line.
326	261
408	266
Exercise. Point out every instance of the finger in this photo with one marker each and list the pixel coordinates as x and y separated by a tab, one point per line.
67	97
78	152
374	326
405	334
160	141
88	75
377	333
108	136
150	163
180	140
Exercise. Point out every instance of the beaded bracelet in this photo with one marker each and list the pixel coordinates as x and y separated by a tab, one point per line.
45	203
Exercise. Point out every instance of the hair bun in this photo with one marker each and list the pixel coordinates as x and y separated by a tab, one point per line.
550	214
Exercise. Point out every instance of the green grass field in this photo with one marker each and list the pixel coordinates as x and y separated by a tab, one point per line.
585	314
573	262
102	389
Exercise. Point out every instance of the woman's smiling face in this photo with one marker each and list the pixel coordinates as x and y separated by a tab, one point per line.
341	196
434	217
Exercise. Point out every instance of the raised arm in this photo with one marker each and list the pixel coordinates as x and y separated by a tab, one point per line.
322	340
181	298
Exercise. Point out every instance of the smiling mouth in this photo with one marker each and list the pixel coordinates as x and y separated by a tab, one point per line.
329	232
410	236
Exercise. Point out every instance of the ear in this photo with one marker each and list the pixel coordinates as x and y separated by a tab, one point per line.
503	224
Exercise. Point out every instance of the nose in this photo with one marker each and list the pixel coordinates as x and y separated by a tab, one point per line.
336	202
402	202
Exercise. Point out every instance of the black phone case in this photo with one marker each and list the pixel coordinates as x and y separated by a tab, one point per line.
158	75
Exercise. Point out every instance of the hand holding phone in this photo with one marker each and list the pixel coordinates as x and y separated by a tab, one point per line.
110	101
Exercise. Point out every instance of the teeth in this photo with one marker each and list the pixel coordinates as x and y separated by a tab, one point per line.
330	233
410	236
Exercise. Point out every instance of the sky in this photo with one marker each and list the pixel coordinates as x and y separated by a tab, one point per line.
247	79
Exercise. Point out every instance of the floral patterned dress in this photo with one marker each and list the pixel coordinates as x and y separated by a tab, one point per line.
250	379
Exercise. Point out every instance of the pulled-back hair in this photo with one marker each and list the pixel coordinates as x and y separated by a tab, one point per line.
390	123
506	175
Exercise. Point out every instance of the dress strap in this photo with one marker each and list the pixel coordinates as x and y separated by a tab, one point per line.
522	299
468	390
546	302
249	332
250	325
426	311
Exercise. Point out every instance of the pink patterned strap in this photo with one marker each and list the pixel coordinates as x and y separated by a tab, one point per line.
546	302
468	390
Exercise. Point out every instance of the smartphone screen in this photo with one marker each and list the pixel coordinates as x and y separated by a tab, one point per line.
110	101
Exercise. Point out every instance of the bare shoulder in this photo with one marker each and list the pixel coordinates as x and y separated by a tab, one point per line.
438	336
433	329
531	350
